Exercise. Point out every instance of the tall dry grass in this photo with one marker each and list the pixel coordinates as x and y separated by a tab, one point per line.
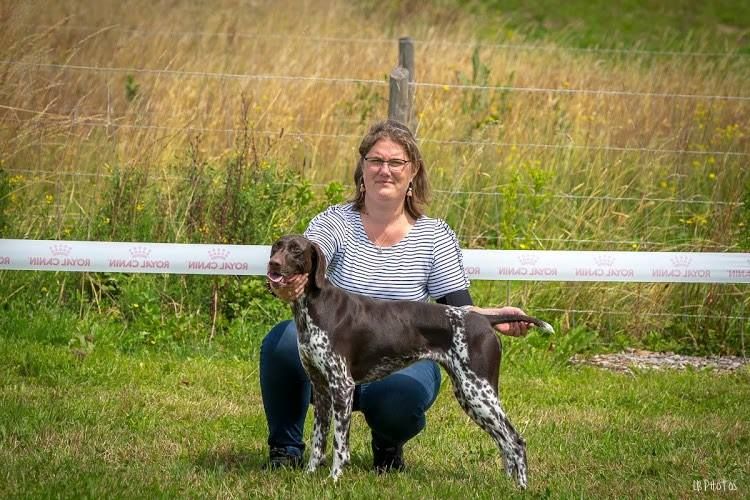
92	88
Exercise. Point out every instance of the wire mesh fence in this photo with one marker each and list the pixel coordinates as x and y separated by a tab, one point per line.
606	164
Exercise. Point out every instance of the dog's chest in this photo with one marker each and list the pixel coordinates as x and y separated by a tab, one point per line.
315	350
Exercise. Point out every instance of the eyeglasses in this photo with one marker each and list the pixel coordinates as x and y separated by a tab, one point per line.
394	164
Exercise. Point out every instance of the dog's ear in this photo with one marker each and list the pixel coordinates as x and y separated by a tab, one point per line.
318	271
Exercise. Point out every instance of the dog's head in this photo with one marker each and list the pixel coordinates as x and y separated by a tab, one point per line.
296	254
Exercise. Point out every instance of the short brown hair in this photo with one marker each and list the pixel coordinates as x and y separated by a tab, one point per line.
400	134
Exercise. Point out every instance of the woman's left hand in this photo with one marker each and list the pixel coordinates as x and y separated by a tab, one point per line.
519	329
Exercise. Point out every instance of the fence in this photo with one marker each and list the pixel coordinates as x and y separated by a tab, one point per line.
602	266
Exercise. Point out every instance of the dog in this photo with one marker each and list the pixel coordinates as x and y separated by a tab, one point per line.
345	339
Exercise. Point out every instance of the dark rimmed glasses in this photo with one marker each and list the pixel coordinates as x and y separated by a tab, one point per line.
394	164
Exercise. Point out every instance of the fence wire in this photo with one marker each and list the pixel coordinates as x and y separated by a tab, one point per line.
73	120
344	80
526	47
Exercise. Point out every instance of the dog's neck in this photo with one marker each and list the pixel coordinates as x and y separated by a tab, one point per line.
310	292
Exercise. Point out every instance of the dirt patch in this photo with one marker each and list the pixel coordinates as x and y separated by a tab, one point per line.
640	359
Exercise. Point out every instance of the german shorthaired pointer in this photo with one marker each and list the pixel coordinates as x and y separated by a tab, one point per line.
345	339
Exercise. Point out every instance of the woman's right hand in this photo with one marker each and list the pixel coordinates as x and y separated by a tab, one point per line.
291	289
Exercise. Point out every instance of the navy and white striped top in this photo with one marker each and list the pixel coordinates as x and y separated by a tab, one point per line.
427	262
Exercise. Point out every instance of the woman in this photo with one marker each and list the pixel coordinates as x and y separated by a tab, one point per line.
381	245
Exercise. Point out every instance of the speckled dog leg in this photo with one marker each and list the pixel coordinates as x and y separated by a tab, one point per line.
321	423
342	413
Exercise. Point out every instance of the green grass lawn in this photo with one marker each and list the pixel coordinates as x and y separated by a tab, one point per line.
152	424
662	25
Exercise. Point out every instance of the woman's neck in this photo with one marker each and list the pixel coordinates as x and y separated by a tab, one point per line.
385	213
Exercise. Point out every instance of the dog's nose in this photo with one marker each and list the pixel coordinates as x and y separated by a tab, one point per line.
275	260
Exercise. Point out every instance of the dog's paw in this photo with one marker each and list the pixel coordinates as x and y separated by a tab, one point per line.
515	467
313	465
336	473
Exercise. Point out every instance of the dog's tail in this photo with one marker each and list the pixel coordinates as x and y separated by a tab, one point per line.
496	319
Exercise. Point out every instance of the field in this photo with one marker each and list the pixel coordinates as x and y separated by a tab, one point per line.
594	126
236	124
101	423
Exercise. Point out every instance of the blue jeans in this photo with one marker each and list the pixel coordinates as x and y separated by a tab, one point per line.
394	406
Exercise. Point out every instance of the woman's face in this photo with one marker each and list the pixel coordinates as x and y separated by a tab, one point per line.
386	182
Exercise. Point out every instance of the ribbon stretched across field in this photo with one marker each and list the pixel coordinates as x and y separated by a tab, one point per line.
646	267
100	256
521	265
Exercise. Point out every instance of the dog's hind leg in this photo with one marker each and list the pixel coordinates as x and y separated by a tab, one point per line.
343	397
478	399
321	423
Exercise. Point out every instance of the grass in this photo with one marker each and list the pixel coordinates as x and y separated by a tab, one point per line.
624	24
175	143
173	425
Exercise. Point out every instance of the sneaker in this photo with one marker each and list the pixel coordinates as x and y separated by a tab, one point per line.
387	459
282	458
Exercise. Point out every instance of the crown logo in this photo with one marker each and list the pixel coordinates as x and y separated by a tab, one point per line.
218	254
604	260
140	252
681	261
528	260
60	249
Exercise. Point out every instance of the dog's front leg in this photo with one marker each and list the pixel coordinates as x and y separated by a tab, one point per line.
342	395
321	423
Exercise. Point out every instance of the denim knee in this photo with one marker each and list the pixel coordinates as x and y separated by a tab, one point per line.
279	349
395	406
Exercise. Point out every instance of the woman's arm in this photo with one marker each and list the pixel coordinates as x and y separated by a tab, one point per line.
461	298
458	298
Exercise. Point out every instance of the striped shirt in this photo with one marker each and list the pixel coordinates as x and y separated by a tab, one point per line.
427	262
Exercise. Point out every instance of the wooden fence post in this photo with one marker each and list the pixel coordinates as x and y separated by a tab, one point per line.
406	55
401	98
398	101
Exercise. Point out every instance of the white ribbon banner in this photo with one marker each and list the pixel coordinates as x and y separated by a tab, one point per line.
251	260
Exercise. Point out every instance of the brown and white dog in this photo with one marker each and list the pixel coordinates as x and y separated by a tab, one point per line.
345	339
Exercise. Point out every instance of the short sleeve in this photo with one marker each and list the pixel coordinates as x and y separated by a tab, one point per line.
328	230
447	274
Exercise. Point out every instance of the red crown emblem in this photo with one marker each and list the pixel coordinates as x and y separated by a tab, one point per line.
604	260
681	261
140	252
218	254
60	249
528	260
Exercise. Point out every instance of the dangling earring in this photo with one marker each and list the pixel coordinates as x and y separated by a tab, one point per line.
362	187
410	190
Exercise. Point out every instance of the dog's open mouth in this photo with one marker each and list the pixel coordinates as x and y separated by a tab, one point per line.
276	278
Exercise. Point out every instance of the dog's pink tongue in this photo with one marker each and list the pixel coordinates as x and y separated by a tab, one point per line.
275	277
